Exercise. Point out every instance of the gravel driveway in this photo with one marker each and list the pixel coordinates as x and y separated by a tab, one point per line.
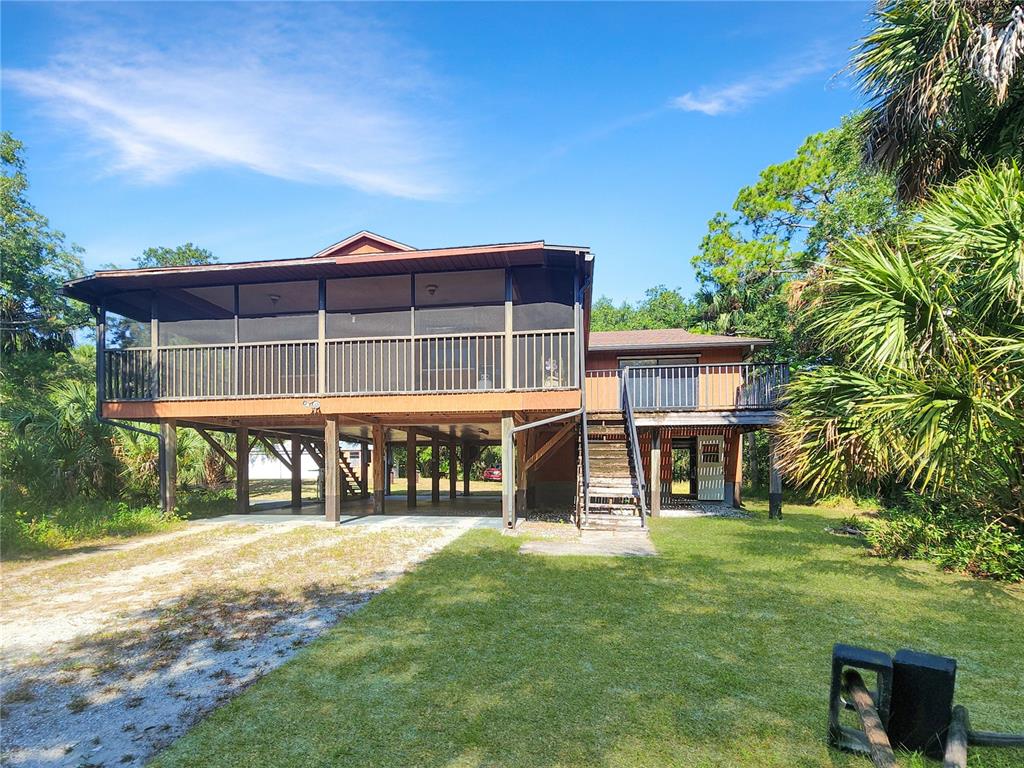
109	656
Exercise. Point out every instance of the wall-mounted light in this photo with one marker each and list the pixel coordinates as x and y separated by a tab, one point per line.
431	288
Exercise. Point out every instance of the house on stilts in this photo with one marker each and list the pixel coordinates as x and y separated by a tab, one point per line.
373	342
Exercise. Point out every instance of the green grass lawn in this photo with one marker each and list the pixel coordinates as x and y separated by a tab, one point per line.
715	653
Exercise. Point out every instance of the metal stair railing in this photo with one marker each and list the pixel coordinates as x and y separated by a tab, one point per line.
634	444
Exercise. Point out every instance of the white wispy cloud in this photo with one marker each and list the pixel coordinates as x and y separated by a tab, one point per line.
737	95
307	94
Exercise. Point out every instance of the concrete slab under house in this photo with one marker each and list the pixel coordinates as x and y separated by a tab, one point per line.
326	364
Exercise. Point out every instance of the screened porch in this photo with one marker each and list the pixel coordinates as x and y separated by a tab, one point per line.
475	330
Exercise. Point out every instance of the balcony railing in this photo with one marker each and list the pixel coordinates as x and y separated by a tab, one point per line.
386	365
733	386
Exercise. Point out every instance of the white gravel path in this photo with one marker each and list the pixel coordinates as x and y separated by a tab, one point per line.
123	660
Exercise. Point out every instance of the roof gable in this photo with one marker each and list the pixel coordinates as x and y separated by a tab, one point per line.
363	242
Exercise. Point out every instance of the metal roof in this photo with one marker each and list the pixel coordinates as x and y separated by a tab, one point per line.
535	253
667	338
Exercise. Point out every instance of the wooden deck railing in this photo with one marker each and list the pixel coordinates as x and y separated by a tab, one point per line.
732	386
383	365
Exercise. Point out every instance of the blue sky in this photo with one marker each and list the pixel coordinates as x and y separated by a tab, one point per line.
269	131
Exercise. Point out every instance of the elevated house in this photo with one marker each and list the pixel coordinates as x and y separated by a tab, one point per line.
371	341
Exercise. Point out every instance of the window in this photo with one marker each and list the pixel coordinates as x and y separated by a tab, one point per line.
709	453
363	307
196	316
542	299
278	311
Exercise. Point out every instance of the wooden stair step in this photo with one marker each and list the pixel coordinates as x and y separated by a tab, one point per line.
598	507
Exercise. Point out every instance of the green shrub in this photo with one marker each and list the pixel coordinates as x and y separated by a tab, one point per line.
197	503
29	528
948	535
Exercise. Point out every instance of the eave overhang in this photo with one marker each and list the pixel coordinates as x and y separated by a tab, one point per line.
93	288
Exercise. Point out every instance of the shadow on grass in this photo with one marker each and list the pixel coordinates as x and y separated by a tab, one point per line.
715	653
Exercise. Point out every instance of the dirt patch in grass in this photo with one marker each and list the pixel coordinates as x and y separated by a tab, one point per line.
545	529
149	640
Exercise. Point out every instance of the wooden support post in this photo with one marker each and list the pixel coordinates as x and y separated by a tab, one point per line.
508	468
242	470
379	453
410	468
332	478
389	467
435	470
655	484
774	480
467	464
296	473
453	469
168	459
523	443
364	463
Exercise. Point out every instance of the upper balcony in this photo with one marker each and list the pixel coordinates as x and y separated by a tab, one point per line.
464	331
688	389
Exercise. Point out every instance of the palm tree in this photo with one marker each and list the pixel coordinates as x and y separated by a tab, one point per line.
945	79
931	326
60	446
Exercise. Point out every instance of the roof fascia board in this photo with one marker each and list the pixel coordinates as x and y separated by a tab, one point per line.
681	345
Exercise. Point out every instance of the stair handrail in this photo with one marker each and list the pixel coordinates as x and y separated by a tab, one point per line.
585	442
634	443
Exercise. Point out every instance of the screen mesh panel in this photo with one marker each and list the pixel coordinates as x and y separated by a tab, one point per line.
197	316
542	298
459	320
477	287
362	293
355	325
278	311
128	319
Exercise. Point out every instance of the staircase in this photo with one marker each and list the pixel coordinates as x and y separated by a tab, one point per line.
614	494
351	484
